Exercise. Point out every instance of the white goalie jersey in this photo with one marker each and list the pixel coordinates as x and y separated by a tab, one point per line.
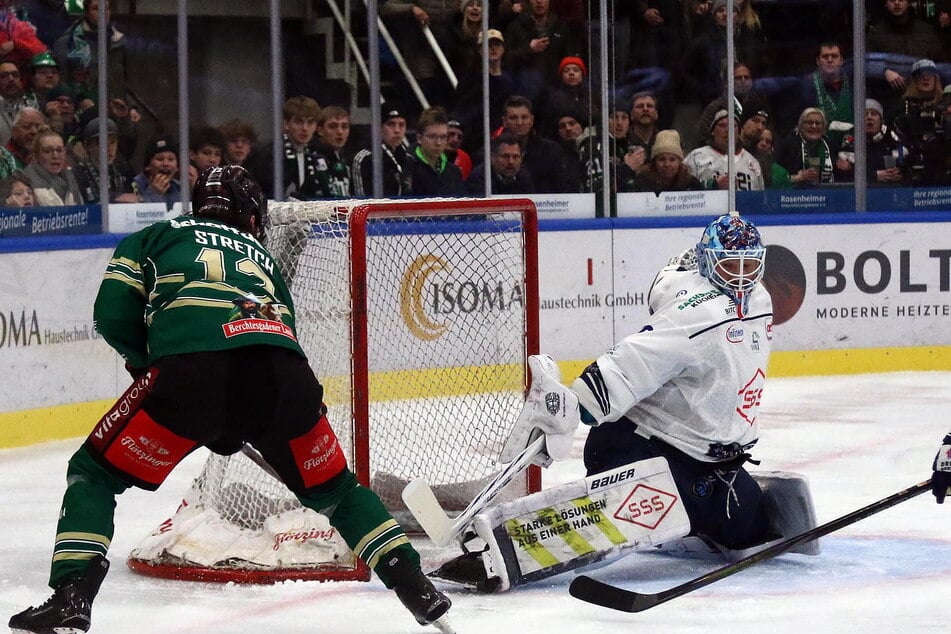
693	376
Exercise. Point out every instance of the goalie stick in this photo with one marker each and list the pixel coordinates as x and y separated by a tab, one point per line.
442	529
608	596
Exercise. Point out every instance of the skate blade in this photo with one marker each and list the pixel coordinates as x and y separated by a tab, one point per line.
443	625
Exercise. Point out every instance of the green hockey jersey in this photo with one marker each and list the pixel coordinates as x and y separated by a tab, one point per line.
189	285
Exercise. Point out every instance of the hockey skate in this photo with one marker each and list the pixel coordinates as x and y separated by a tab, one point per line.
69	610
468	569
417	593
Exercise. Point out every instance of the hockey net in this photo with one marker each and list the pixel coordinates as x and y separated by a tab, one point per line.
417	317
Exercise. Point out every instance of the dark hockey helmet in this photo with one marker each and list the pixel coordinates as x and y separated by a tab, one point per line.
731	255
228	193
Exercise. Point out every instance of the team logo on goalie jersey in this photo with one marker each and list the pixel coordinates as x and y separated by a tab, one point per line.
748	397
553	402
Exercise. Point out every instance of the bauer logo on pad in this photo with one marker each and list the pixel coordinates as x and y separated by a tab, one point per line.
553	402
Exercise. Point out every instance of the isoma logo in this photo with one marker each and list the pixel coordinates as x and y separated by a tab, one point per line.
19	330
412	301
425	293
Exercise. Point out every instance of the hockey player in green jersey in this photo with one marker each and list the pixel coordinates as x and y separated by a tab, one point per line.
191	304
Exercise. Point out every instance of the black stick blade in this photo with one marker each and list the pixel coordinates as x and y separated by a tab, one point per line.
608	596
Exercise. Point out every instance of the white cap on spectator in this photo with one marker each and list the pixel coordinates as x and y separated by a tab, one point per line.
722	114
494	34
872	104
924	66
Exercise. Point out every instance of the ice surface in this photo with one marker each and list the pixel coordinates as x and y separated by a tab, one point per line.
857	439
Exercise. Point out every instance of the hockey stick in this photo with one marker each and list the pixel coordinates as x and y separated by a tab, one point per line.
255	456
608	596
442	529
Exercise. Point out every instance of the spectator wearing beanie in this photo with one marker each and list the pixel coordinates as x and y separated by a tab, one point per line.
925	85
158	180
882	148
535	42
574	140
396	164
665	172
571	60
571	93
752	124
710	163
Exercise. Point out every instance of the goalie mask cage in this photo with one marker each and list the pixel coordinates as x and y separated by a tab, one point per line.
418	317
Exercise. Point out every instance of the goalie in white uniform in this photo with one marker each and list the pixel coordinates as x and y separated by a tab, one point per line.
686	388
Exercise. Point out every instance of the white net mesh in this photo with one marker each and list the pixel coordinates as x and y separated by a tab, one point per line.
418	327
238	523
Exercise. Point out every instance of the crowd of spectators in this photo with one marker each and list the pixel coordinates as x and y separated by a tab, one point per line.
49	115
668	121
668	79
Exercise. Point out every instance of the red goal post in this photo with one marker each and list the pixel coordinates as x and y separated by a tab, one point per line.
418	317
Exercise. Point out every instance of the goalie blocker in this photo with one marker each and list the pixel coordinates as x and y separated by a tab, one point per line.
603	517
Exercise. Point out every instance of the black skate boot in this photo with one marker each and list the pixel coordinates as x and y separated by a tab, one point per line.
69	610
417	593
468	569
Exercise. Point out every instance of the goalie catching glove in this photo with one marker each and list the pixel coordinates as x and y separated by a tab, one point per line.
550	409
941	480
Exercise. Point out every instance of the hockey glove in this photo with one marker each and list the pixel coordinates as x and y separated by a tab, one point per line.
550	409
941	480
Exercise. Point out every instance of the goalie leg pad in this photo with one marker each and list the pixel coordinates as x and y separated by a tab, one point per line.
580	523
789	506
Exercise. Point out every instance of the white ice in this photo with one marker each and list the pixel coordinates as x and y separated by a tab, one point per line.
857	439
